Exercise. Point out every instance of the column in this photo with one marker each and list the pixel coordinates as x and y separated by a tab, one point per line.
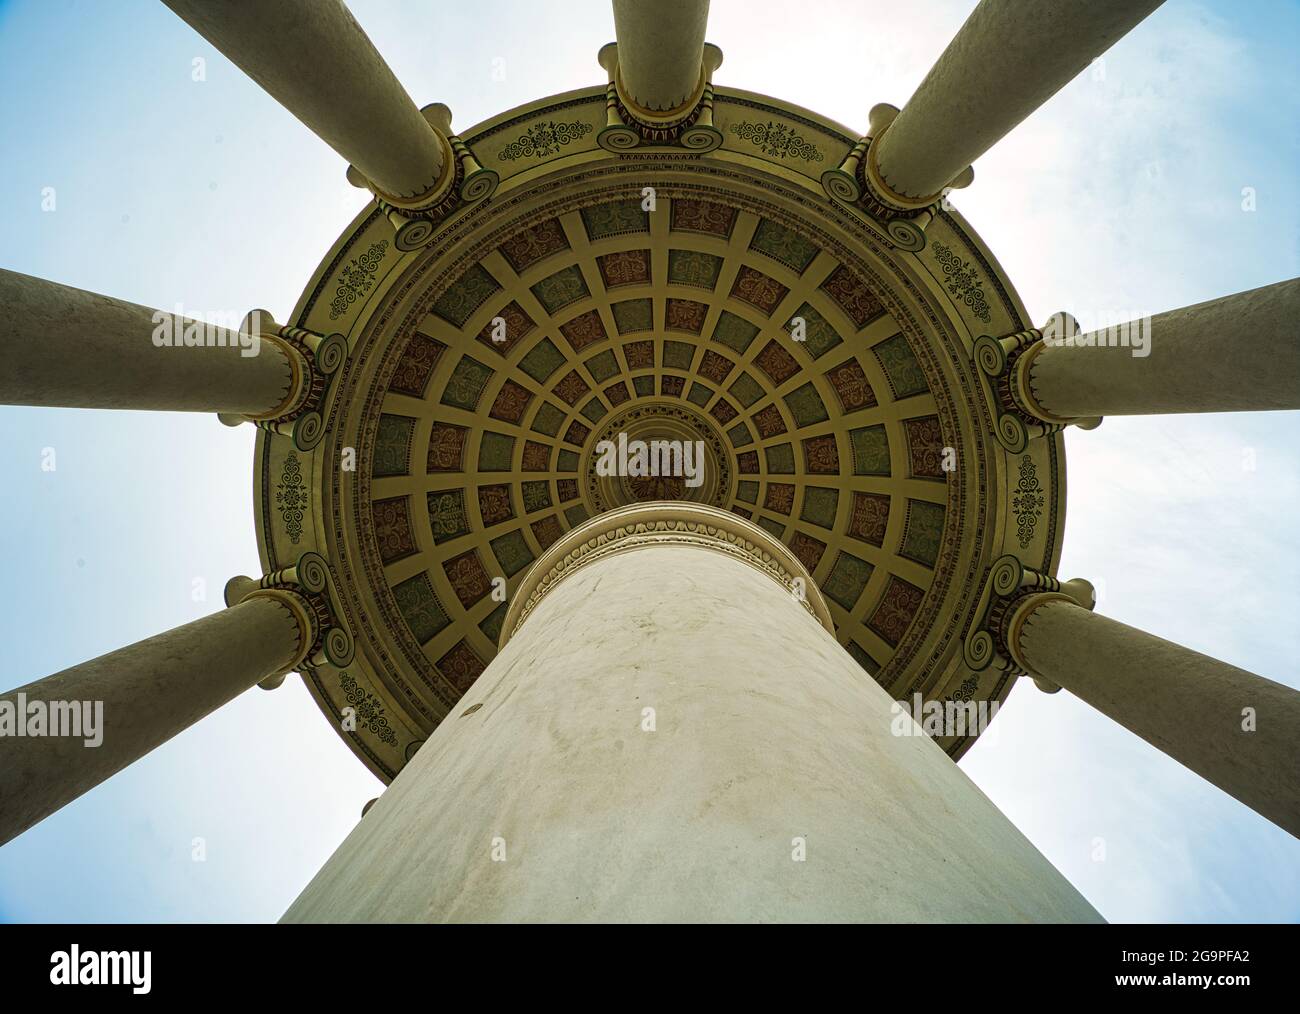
69	348
1240	353
671	733
133	700
1235	729
1006	60
313	58
660	52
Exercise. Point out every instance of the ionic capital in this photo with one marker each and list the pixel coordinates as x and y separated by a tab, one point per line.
305	590
313	360
629	124
463	181
1012	592
857	181
1007	361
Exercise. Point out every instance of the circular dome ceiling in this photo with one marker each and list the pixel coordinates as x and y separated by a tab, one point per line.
722	299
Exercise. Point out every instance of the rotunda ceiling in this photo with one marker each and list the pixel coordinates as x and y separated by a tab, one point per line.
721	301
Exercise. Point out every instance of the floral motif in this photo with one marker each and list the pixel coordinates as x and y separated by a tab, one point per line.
368	710
685	315
546	530
585	329
628	267
393	528
715	367
963	281
467	577
776	139
1027	501
869	518
966	691
639	354
537	456
543	139
897	609
851	386
571	387
853	296
780	497
461	666
808	550
756	289
821	456
517	324
356	278
925	447
465	295
418	361
723	411
510	403
776	362
292	498
446	448
692	215
769	422
494	503
534	243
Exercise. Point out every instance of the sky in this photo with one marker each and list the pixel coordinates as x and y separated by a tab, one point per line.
1122	196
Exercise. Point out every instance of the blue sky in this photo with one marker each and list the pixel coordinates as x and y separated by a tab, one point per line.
1123	194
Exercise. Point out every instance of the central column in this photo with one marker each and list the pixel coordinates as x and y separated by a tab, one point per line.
671	733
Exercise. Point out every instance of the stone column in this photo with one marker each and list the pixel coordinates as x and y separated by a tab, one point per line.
1006	60
671	733
1240	353
69	348
137	698
313	58
1235	729
660	51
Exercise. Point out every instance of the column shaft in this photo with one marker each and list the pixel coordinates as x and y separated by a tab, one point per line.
149	691
652	744
660	50
1185	704
1006	60
1240	353
313	58
65	347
